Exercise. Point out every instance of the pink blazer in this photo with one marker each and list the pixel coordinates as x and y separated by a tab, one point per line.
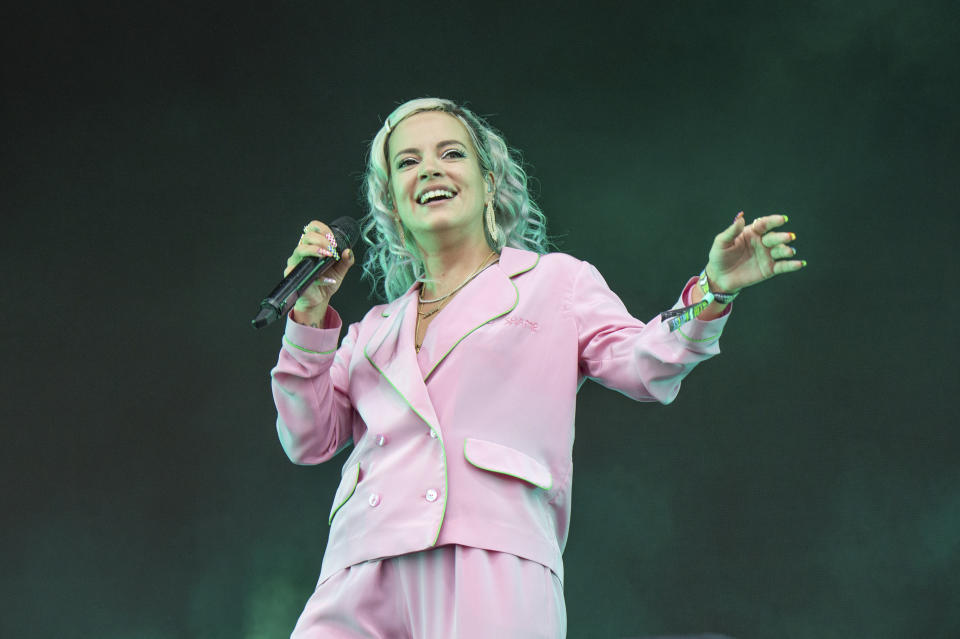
472	445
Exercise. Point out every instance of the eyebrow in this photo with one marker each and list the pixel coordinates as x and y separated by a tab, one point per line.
439	144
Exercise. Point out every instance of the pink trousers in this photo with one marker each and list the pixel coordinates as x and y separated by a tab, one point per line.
448	592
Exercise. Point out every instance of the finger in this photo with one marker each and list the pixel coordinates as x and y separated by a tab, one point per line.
773	239
727	235
314	245
788	266
307	250
767	223
782	251
339	270
324	244
316	226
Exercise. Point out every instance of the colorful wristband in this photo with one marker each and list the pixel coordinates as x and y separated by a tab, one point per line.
679	316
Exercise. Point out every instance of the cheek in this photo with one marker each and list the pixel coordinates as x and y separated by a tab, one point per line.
396	193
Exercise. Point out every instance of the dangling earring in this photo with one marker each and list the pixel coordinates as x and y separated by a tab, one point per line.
403	237
491	221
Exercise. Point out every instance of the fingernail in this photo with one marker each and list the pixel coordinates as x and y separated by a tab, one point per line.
803	263
323	251
738	216
785	219
331	239
793	236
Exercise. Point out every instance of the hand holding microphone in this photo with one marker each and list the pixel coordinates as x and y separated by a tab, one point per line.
314	273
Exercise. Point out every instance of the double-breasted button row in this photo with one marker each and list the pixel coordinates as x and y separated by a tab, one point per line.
431	495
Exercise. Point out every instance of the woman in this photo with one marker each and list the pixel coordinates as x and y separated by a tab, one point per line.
459	393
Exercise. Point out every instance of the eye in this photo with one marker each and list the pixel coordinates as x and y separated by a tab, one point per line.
453	153
405	162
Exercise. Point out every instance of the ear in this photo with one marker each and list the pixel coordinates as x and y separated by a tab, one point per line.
490	182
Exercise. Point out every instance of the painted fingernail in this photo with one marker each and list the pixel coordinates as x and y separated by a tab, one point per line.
793	236
738	216
803	263
785	219
323	251
331	239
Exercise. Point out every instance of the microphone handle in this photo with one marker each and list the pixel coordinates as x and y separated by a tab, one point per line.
281	299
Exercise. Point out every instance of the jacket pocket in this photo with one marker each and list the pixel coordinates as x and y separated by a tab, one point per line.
498	458
348	483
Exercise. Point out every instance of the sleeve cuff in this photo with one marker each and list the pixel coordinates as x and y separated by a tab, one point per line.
698	330
686	298
307	339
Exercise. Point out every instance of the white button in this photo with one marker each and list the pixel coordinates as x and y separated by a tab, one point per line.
374	500
381	440
432	495
433	433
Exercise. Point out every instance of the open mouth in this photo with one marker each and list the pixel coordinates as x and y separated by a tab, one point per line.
436	196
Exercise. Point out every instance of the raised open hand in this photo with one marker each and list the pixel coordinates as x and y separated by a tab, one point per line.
745	254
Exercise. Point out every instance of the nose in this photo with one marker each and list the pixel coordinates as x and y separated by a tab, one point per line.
429	169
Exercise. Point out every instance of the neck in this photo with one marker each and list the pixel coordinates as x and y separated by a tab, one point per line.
449	263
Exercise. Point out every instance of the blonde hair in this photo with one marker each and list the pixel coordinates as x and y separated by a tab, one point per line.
392	262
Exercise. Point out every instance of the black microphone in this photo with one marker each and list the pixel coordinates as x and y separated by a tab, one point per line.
281	299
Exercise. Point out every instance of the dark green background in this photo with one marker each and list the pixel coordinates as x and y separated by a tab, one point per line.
159	162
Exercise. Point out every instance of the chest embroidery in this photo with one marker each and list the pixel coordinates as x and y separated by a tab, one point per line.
519	322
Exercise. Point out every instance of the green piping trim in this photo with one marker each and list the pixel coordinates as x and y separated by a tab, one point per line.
464	336
367	355
356	479
530	268
307	350
493	470
443	513
443	452
690	339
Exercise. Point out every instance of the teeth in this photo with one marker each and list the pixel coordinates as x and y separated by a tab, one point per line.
435	193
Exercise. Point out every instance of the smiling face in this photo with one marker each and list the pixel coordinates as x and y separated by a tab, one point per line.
435	178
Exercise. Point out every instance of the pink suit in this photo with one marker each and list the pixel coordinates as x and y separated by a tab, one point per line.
470	441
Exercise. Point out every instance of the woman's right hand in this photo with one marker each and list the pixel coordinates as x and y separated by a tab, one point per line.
318	241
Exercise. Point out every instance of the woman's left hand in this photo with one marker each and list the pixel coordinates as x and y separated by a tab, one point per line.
745	254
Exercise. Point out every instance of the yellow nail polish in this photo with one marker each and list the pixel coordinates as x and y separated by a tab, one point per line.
785	219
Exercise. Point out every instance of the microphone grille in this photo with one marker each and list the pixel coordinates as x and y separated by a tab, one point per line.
346	230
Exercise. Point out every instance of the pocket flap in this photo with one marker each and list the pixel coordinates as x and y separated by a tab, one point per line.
348	483
502	459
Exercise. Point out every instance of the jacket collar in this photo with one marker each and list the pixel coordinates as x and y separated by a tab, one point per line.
391	349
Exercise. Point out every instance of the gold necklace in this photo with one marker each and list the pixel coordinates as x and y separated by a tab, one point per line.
444	299
483	264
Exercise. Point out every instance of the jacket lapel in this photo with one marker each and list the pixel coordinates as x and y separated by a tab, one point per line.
490	296
391	351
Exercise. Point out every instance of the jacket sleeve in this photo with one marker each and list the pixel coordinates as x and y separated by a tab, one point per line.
643	361
310	388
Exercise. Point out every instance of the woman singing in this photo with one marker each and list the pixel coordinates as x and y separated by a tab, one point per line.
458	394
